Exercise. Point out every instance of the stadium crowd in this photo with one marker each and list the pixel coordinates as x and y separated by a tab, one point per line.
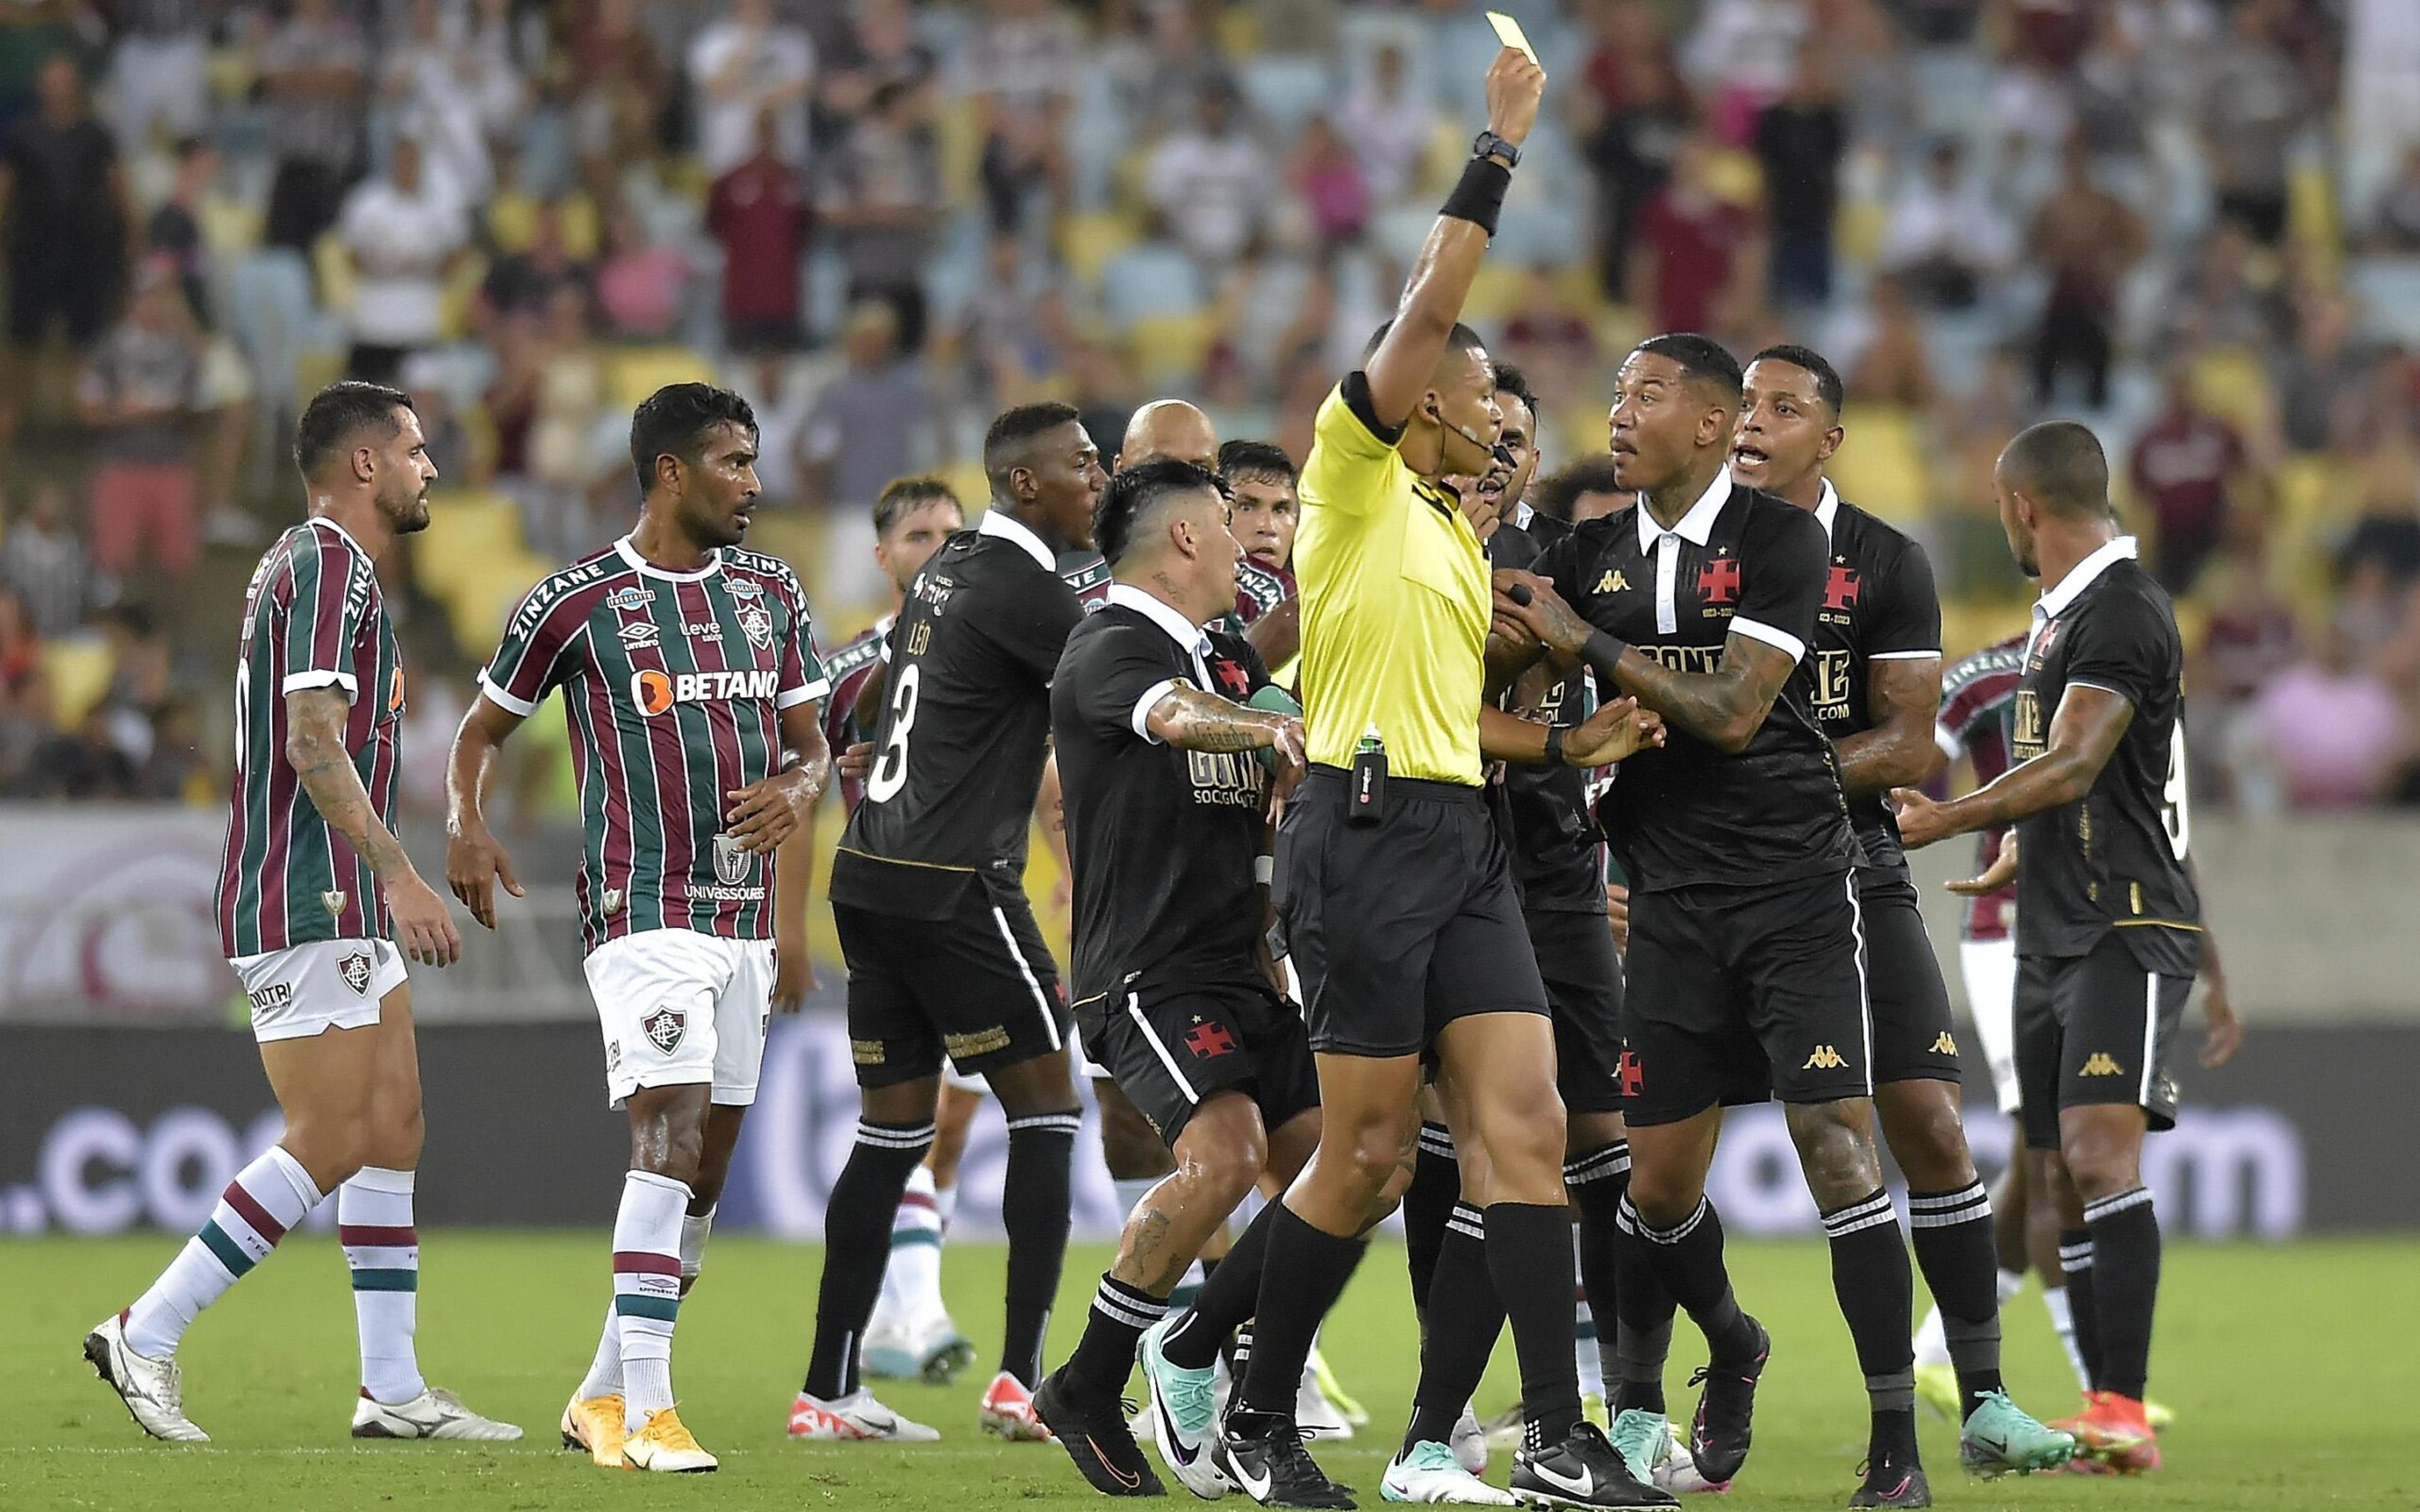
2193	223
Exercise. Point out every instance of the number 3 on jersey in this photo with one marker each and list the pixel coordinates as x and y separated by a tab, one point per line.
890	772
2175	815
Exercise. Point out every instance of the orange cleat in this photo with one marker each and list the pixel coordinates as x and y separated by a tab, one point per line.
2112	1431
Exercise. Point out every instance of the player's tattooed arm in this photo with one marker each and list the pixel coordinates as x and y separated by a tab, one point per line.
1190	720
1902	699
316	719
2083	734
474	858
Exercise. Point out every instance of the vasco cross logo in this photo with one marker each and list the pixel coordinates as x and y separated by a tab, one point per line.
1719	579
1825	1058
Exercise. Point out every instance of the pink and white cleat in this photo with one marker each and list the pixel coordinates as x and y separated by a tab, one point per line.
854	1418
1008	1410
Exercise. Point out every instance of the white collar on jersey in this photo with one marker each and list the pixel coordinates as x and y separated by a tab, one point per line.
1000	522
1827	508
648	569
1697	527
1159	612
2070	588
322	519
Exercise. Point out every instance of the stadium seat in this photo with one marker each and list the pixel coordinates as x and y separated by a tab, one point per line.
472	559
1089	242
78	670
1151	279
2389	291
1168	349
332	264
1882	465
632	373
1288	92
2232	384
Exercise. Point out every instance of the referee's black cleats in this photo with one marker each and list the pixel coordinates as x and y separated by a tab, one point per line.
1261	1453
1096	1436
1583	1471
1719	1436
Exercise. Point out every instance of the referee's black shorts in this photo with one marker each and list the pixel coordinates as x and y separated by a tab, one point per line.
1400	927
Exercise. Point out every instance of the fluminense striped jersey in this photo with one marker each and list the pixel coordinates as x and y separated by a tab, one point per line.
849	668
312	618
1978	698
674	682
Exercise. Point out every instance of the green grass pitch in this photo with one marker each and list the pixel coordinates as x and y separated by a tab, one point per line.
2292	1369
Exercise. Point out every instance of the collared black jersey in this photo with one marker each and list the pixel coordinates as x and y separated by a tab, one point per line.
966	718
1688	812
1544	810
2116	858
1162	840
1879	605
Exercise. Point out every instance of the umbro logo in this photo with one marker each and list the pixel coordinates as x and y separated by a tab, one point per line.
1942	1045
1825	1058
1613	582
2100	1064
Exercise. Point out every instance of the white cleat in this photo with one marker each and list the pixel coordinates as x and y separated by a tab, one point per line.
1469	1443
434	1414
1183	1406
1431	1474
1007	1409
1678	1471
152	1390
1314	1414
855	1418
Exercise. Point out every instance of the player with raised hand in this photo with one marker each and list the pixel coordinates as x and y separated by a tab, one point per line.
311	884
687	666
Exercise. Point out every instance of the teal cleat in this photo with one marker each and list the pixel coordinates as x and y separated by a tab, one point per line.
2002	1439
1185	1415
1644	1440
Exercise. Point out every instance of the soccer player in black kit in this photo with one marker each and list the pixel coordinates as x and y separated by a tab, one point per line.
1166	793
1875	657
2109	930
928	898
1746	968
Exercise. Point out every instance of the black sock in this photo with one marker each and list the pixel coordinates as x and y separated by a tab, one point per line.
1304	1275
1437	1186
2075	1262
2126	1283
1227	1300
1105	1356
857	1247
1876	1291
1955	1248
1597	1181
1688	1256
1033	1206
1530	1255
1455	1346
1642	1320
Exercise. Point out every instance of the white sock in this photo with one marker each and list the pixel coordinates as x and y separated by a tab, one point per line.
605	1371
382	1248
1584	1338
2062	1320
1131	1190
911	1281
2012	1282
266	1198
696	1228
945	1201
1931	1340
646	1288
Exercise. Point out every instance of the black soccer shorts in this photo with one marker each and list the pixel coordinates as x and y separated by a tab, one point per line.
1913	1039
1738	992
978	986
2095	1029
1170	1046
1583	976
1400	927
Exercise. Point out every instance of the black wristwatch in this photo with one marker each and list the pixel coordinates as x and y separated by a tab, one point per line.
1554	745
1491	145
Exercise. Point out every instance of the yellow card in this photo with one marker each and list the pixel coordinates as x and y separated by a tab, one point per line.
1507	31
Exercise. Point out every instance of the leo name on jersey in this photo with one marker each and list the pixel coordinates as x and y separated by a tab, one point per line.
674	683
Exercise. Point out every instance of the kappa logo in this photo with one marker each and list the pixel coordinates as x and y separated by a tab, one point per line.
354	967
1613	582
1944	1044
612	1057
640	634
655	692
664	1028
629	598
2100	1063
1210	1041
1825	1058
755	624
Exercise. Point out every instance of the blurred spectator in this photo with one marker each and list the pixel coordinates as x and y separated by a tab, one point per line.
140	392
1742	54
2387	531
741	66
1545	339
640	285
873	423
403	231
1800	140
524	283
1387	123
1642	112
64	193
1022	67
1896	366
2182	463
451	448
882	194
1209	181
2254	103
83	765
2318	378
2335	733
42	561
1945	237
176	770
2087	240
1330	181
175	229
1178	66
2219	302
159	71
1690	239
625	86
760	212
458	89
24	687
2396	225
312	72
2251	635
879	48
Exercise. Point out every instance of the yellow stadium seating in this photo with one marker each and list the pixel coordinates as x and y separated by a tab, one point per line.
632	373
472	559
333	265
2230	382
1087	242
78	671
1168	349
1882	464
1967	625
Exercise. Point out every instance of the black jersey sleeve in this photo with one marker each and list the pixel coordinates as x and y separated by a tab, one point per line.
1783	555
1907	619
2126	644
1030	624
1559	563
1112	676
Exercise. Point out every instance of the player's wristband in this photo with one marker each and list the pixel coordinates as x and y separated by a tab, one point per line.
1602	651
1479	198
1554	746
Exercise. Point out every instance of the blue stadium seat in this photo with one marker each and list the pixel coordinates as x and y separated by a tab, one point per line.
1288	92
2389	291
1153	279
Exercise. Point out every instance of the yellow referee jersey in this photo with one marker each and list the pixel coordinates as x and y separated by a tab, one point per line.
1395	602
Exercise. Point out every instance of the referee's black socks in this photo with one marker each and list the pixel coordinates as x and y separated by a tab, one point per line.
1226	1301
857	1247
1530	1255
1033	1207
1876	1291
1955	1248
1304	1273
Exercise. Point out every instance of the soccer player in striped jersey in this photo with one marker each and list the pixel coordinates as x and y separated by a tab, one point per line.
1266	509
315	896
690	674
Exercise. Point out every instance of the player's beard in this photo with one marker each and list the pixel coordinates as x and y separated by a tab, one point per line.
411	516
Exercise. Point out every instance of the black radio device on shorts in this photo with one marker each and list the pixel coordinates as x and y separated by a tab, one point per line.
1365	797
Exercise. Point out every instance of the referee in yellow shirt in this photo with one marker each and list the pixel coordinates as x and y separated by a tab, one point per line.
1395	887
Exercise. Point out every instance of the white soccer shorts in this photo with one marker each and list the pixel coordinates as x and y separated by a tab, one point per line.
1990	968
306	990
679	1008
953	1076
